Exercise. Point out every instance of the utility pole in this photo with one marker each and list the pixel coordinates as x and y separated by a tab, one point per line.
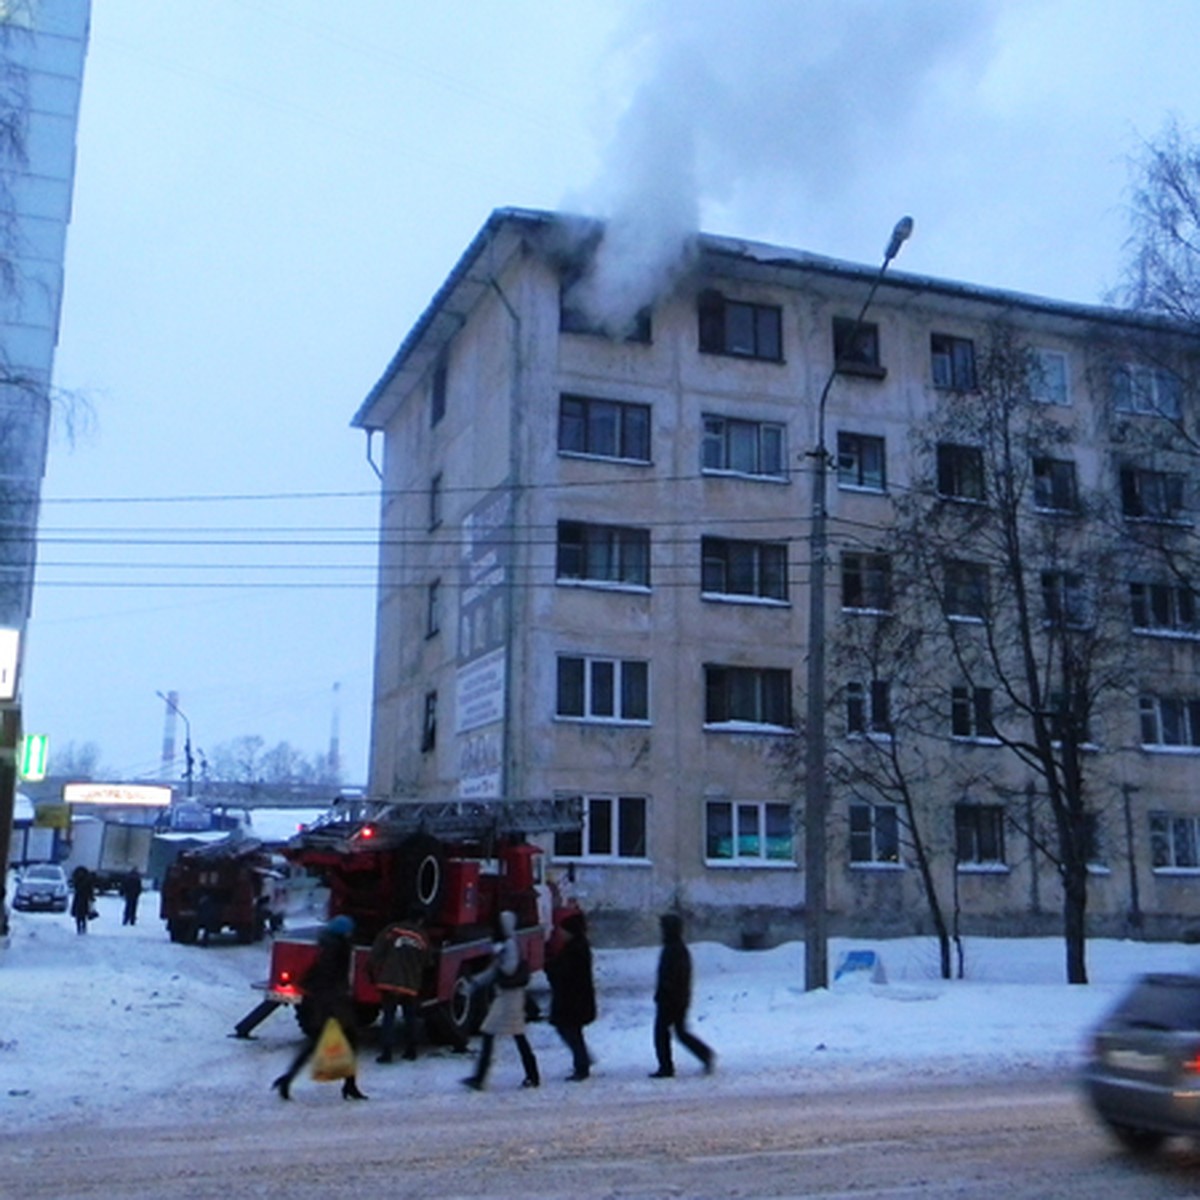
171	700
816	797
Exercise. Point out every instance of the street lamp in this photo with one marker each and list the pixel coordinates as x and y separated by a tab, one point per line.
169	701
816	800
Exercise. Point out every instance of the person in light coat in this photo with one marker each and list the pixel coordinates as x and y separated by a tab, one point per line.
506	1016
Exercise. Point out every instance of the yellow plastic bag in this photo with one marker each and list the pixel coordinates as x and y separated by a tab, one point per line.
334	1056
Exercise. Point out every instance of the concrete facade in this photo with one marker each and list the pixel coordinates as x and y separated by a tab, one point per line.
568	524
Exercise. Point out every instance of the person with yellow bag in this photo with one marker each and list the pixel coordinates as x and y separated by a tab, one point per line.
332	1041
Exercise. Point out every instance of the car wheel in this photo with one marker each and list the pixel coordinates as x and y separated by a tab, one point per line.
1137	1141
453	1021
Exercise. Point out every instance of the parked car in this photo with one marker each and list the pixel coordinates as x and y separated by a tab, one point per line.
1142	1077
42	887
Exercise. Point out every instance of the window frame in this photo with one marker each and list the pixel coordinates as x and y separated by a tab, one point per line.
1178	604
972	715
856	348
763	433
632	428
952	362
869	709
624	549
622	811
429	722
1140	389
966	580
1159	716
1168	507
960	473
1169	833
1046	389
854	473
627	690
768	817
866	576
743	329
874	842
727	687
1055	485
1066	603
769	578
433	608
437	393
978	829
436	495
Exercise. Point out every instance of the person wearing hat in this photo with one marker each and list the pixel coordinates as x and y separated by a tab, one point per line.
672	998
326	988
573	992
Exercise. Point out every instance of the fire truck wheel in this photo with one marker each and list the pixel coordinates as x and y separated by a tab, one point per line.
454	1021
182	931
423	871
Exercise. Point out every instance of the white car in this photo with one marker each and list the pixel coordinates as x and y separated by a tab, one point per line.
42	887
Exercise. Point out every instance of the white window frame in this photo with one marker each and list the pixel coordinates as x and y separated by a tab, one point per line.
720	551
1174	600
972	708
871	573
869	708
1146	391
1052	382
857	454
610	556
593	666
1171	833
620	812
1160	716
1051	478
875	836
625	432
977	862
770	442
757	678
750	822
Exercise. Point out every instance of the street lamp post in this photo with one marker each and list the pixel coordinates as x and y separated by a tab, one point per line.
169	701
816	800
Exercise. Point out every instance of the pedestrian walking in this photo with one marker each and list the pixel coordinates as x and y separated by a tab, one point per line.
399	958
326	988
506	1016
573	992
672	998
84	899
131	891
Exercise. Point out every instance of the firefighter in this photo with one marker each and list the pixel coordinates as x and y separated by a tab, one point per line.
397	965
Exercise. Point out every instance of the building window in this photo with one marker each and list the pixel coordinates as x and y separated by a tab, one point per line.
603	689
866	582
603	554
966	590
747	696
1138	389
960	471
1054	487
979	835
614	828
856	347
1151	495
1064	599
604	428
746	831
736	327
874	834
1174	841
953	360
971	713
429	723
1164	608
1170	721
437	394
577	312
1049	383
861	462
433	608
736	568
868	708
743	447
435	501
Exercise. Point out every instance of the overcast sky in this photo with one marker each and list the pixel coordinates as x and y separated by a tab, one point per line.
269	191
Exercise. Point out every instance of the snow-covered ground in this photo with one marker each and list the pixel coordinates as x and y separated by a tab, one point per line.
121	1025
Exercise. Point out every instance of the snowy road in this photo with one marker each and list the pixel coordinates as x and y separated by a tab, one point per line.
1019	1138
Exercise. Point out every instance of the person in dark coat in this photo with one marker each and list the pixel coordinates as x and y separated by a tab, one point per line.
573	992
326	988
84	898
399	957
131	890
672	998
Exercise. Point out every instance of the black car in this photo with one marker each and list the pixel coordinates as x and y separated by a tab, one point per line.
42	886
1142	1077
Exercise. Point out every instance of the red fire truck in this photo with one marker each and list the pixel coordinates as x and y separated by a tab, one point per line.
461	861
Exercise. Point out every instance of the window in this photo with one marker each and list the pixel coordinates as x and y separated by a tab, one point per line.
1050	377
435	501
1151	495
736	327
578	312
747	832
953	361
856	347
614	827
1170	721
866	582
1054	485
868	708
1138	389
747	695
874	834
960	471
433	608
604	428
429	723
971	713
1164	608
861	462
1174	841
603	554
1064	599
736	568
437	394
1069	719
966	594
979	834
603	689
743	447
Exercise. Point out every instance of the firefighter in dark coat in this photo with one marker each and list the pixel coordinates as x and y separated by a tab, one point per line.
672	998
84	898
326	988
573	992
399	958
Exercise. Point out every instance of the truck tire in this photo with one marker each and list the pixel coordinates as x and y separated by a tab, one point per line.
454	1021
182	931
423	869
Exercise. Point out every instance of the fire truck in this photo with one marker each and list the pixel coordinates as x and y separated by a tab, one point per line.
460	862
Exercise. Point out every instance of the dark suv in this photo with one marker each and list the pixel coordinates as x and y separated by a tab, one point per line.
1143	1073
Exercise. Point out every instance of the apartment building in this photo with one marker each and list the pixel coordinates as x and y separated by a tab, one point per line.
594	564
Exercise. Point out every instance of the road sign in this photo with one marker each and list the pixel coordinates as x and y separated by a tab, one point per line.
35	750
